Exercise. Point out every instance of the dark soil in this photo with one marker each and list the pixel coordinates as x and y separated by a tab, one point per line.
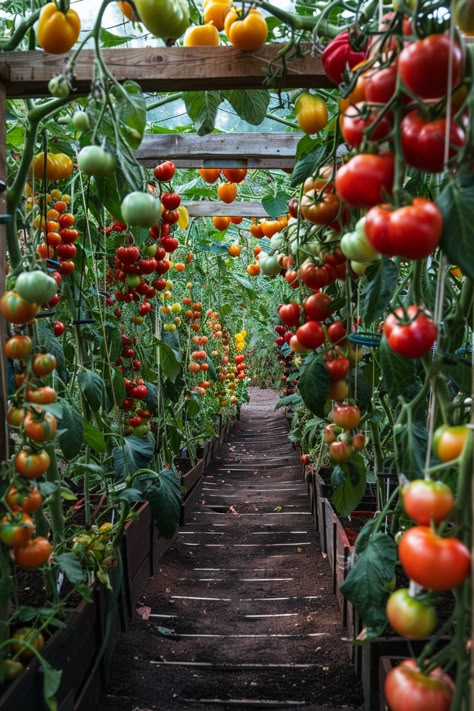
242	614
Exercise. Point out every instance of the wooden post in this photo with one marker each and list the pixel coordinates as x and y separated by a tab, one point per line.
3	254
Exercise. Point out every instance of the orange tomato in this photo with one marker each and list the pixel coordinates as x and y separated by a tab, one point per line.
221	222
216	11
227	192
247	32
234	250
253	269
209	175
235	175
201	36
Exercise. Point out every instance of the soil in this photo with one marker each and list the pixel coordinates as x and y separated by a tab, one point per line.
242	613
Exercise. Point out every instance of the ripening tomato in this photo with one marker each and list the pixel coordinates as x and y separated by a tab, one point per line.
463	14
235	175
433	562
410	617
366	179
411	336
408	689
290	314
311	113
425	501
340	451
319	208
164	171
16	309
27	499
26	634
32	464
44	395
18	347
43	364
346	416
317	306
16	529
40	428
34	554
423	65
338	367
313	276
227	192
209	175
221	222
448	442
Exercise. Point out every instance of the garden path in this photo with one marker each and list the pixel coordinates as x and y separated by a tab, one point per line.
242	614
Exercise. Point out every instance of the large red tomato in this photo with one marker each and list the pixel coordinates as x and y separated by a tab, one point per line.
410	337
313	276
423	142
339	54
408	689
290	314
423	65
317	306
427	500
412	231
433	562
356	124
310	334
366	179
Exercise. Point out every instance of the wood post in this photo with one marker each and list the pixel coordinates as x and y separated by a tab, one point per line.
3	253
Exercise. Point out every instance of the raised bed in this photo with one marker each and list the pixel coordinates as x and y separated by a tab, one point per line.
191	483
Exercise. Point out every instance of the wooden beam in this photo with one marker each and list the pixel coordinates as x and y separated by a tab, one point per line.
221	150
161	69
213	208
3	271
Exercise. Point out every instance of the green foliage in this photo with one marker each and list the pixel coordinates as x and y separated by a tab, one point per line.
92	387
163	491
134	453
201	107
275	205
72	431
314	384
351	485
382	279
250	105
456	203
366	585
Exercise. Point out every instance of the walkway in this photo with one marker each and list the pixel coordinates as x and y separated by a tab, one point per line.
242	613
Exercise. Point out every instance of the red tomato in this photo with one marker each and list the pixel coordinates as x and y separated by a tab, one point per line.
40	428
164	171
27	499
366	179
338	368
313	276
317	306
410	617
337	333
423	142
357	121
433	562
290	314
423	65
412	232
412	338
380	84
408	689
43	364
34	554
425	500
340	451
16	309
310	334
339	54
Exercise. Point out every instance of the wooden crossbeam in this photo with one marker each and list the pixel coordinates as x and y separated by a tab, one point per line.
161	69
220	150
214	208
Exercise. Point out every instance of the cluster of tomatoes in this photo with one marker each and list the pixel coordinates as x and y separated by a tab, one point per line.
341	436
246	31
35	427
59	233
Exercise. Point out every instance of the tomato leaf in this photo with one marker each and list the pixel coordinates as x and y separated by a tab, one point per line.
350	490
411	442
130	108
115	386
201	107
457	206
399	375
367	581
72	431
293	399
71	567
275	205
314	385
94	437
163	491
382	279
170	360
134	453
246	283
51	682
92	387
108	39
310	154
250	105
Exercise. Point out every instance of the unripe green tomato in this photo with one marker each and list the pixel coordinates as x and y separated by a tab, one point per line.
169	327
94	160
36	287
59	87
164	19
176	308
410	617
133	280
80	121
140	209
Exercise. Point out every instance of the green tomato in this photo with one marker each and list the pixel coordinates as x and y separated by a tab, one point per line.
80	121
94	160
167	19
133	279
140	209
59	87
356	246
36	287
176	308
409	616
269	264
169	327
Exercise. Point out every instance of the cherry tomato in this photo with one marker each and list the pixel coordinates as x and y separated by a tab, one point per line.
408	689
40	428
433	562
356	124
340	451
425	500
18	347
16	529
346	416
43	364
29	635
32	464
290	314
27	499
16	309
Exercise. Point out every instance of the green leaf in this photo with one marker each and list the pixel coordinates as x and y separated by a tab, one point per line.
92	387
292	399
108	39
411	442
71	567
51	682
314	385
112	345
163	491
94	437
457	206
72	434
201	107
350	491
251	105
170	360
130	110
116	386
246	283
192	407
382	279
398	373
367	582
276	205
310	155
135	453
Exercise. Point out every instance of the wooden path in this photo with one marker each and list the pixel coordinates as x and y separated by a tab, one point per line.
242	614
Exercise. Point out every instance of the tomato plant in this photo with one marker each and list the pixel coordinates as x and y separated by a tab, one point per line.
433	562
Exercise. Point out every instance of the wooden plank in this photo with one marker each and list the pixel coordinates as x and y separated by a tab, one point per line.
3	253
212	208
160	69
221	150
